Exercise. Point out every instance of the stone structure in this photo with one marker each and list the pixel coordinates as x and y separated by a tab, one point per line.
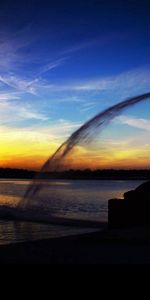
133	210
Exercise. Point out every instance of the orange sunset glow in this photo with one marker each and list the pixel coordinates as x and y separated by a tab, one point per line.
29	149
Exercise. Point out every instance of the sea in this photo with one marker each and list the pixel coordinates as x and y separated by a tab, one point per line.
81	199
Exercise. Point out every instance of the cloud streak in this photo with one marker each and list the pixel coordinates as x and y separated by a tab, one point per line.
52	65
125	80
28	86
12	113
135	122
9	96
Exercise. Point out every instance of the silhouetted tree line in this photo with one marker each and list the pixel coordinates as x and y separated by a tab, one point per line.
78	174
100	174
16	173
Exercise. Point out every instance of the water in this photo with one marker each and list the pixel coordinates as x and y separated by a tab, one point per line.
84	199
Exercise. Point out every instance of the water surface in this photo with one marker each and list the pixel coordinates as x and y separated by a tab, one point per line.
81	199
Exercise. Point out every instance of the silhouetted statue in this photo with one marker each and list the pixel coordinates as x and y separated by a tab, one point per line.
133	210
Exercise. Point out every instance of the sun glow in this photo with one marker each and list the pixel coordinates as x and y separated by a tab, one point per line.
29	148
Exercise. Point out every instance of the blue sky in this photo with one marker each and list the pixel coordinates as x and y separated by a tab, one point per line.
63	61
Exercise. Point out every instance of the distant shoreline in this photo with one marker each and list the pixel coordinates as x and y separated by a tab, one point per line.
106	174
80	179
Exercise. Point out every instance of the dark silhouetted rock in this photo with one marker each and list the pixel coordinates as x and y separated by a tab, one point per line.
133	210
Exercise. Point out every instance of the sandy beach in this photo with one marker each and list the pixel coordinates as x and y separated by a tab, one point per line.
115	247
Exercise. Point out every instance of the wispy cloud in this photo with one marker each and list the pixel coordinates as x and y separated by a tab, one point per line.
15	60
11	113
9	96
11	46
27	114
51	65
32	85
49	133
23	85
127	80
135	122
11	55
88	106
99	40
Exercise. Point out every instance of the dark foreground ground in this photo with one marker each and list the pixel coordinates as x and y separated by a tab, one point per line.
115	247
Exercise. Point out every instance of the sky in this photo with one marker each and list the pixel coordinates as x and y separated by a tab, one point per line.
62	62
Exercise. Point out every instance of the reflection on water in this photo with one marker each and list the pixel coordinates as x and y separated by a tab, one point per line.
82	199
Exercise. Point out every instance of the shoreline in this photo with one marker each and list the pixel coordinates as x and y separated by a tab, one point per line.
79	179
130	246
